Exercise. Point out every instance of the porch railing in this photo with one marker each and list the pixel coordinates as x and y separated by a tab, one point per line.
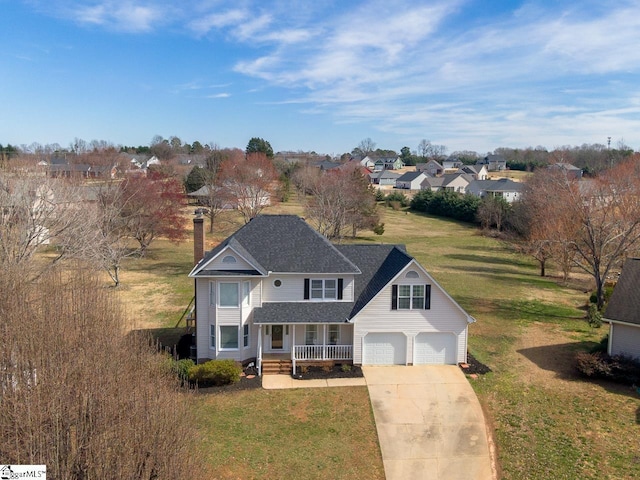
322	352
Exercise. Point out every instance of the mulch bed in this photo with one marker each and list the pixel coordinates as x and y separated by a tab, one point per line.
321	373
247	382
474	366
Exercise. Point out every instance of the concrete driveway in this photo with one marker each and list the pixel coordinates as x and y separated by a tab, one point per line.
430	423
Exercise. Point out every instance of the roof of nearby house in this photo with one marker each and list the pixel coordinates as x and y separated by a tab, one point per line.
432	182
624	304
282	243
448	178
410	176
472	169
500	185
564	166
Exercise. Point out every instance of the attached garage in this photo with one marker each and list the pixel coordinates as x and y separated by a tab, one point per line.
435	348
385	349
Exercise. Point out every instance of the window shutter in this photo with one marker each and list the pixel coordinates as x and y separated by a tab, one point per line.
394	297
306	288
427	297
340	287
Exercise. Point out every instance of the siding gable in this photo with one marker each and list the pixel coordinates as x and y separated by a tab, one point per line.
222	261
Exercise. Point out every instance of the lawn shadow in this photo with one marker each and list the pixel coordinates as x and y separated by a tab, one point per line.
167	339
492	260
560	359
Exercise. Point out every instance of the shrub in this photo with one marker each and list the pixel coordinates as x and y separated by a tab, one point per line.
182	367
594	317
592	365
399	197
216	372
379	195
619	368
345	367
379	229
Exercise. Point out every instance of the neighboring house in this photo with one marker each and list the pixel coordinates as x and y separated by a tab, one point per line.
451	166
388	163
432	168
384	177
572	172
479	172
456	182
432	183
328	165
410	180
623	312
494	163
503	187
368	162
278	291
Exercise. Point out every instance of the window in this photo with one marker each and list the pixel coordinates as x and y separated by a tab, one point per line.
212	333
311	335
277	283
228	294
246	294
323	289
412	274
411	297
245	335
334	334
229	259
228	337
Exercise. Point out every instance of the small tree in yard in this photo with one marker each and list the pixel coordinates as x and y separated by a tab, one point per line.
152	208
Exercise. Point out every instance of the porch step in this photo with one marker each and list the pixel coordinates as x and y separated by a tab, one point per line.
276	367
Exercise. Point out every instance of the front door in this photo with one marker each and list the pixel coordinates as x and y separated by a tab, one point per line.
277	337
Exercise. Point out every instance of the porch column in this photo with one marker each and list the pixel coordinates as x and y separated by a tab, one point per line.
293	347
259	357
324	341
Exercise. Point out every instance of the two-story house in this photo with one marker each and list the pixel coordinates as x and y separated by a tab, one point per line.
277	289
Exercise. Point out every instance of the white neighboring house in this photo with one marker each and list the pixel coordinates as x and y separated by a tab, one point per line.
410	180
276	290
623	312
505	188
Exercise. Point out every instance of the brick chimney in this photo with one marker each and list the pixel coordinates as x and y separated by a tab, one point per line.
198	237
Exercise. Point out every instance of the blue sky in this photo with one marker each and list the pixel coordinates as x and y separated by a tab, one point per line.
321	75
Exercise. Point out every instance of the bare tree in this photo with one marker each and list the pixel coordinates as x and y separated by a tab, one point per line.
342	199
37	212
251	181
81	396
367	146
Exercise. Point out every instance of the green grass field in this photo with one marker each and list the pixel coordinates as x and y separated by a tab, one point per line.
547	423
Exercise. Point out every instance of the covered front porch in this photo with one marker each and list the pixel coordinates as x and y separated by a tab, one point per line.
304	344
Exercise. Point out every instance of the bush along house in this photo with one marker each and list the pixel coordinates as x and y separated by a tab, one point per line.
279	294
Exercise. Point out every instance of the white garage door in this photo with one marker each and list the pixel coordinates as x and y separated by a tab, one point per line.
435	349
385	349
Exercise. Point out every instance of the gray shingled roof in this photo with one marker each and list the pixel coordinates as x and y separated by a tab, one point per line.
624	304
409	176
284	243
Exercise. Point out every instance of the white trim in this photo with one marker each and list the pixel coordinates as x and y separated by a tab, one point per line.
201	264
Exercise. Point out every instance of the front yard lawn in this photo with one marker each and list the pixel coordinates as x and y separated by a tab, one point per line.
311	433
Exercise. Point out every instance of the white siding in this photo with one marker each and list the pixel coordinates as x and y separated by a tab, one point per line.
217	263
624	339
443	316
346	334
292	287
202	320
